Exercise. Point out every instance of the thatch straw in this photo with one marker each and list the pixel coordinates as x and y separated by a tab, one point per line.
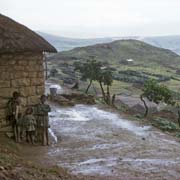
15	38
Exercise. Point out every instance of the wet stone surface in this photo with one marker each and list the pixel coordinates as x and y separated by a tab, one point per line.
92	141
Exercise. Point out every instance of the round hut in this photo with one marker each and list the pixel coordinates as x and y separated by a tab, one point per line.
21	64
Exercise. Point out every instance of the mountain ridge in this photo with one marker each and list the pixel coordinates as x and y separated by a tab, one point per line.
171	42
121	50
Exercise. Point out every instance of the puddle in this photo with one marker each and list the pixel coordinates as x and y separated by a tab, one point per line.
152	161
108	146
83	113
101	166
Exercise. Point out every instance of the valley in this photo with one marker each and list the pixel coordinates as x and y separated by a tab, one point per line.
132	63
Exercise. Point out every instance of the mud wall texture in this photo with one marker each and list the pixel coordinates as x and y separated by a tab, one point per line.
23	73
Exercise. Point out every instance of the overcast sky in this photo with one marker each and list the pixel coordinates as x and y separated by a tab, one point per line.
96	18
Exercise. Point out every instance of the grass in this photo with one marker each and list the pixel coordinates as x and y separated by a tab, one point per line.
173	85
165	124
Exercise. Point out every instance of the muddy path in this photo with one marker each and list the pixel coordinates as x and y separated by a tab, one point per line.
101	144
90	141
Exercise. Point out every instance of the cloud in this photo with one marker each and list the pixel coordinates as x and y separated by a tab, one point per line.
92	15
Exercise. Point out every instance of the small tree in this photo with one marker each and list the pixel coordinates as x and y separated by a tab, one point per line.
105	78
177	106
89	71
93	70
155	93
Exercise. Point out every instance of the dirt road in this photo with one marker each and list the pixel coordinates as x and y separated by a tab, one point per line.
92	141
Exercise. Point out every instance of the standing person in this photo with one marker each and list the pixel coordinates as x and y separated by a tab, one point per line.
42	111
14	114
11	107
29	122
18	120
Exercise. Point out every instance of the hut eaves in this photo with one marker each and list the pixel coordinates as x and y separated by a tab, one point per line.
16	38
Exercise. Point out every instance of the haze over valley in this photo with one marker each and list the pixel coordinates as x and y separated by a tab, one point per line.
171	42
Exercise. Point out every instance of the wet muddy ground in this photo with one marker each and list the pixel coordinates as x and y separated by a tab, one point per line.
90	141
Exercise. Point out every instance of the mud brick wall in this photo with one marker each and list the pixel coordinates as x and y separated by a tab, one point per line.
23	73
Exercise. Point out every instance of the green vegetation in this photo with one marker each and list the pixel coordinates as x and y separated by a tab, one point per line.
164	124
156	93
132	62
118	52
89	70
93	70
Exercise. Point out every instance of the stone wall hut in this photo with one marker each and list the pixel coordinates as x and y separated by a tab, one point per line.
21	63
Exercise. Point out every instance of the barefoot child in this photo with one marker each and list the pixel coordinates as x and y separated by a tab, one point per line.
30	125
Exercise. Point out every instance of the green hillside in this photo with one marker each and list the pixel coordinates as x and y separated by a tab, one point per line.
119	51
171	42
132	61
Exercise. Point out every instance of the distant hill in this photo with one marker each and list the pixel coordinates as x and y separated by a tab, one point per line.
65	44
132	63
167	42
122	50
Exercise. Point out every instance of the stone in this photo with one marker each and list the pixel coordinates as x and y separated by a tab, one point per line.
3	62
33	100
62	101
12	62
18	68
24	73
6	129
23	62
37	81
20	82
40	74
29	69
138	108
4	75
19	74
40	90
34	68
80	98
2	68
4	84
41	68
32	62
3	102
40	62
7	92
32	74
28	91
2	113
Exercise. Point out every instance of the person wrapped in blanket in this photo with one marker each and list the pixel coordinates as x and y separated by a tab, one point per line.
42	110
14	115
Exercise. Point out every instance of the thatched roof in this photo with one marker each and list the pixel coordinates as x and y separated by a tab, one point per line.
15	38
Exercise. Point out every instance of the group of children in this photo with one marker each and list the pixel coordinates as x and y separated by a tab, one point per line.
33	124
